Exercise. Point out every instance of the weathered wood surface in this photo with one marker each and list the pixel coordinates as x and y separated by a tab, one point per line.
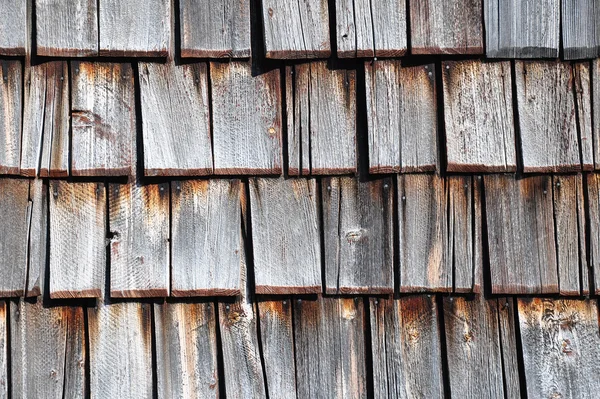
547	118
13	30
139	245
247	119
511	353
595	99
46	120
580	29
478	113
120	345
133	28
522	28
38	233
406	346
593	187
446	27
77	239
66	28
103	119
206	240
330	348
401	117
11	108
561	347
186	350
582	81
176	119
285	236
4	350
322	126
521	235
48	353
296	29
215	29
358	235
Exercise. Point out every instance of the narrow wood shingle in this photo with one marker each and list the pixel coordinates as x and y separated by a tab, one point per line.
582	86
595	101
593	187
38	233
580	29
11	107
4	349
13	28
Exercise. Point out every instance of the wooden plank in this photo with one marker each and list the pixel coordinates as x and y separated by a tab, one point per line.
176	120
522	28
521	235
247	120
38	233
561	347
510	352
406	347
446	27
582	80
120	344
48	352
401	117
77	239
478	113
296	29
66	28
186	350
580	29
103	119
4	351
11	107
358	235
13	28
330	348
593	271
285	236
215	29
206	237
547	118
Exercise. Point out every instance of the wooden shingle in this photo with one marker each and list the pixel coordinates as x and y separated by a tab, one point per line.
38	233
580	28
582	85
11	86
593	187
13	28
4	349
595	101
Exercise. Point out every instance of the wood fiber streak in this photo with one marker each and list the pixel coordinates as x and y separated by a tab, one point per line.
13	29
580	29
595	99
4	350
401	117
38	233
11	107
406	346
582	81
593	186
511	353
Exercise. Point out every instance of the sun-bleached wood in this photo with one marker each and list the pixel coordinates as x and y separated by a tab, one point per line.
38	233
11	107
13	28
580	29
582	82
4	349
595	100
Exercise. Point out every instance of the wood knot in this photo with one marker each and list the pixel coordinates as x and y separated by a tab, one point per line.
234	317
270	12
413	335
566	346
272	131
354	236
468	337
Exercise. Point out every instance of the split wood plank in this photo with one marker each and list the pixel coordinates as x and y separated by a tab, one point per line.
207	240
285	236
48	352
66	28
580	29
406	346
322	128
139	245
593	271
133	28
511	354
103	119
247	120
478	113
521	235
215	28
4	350
561	347
38	234
120	344
358	235
582	80
16	211
77	239
176	119
13	29
401	117
296	29
522	28
595	99
46	120
186	350
330	348
547	118
446	27
11	108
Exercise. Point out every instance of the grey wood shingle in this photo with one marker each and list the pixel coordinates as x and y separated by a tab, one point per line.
4	349
593	191
38	233
580	28
595	101
11	107
13	27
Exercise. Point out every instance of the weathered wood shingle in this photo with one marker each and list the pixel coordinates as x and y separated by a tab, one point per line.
38	234
580	28
11	107
13	27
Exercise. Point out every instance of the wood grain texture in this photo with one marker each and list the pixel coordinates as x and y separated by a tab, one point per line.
247	120
446	27
580	29
406	347
186	350
176	119
593	271
4	349
521	235
511	353
330	348
582	81
547	118
595	87
561	347
478	113
358	235
66	28
13	28
77	239
120	344
11	108
103	119
38	233
215	29
285	236
48	352
401	117
296	29
207	241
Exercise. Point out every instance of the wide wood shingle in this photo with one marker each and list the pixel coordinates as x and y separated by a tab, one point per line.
11	107
13	28
580	28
